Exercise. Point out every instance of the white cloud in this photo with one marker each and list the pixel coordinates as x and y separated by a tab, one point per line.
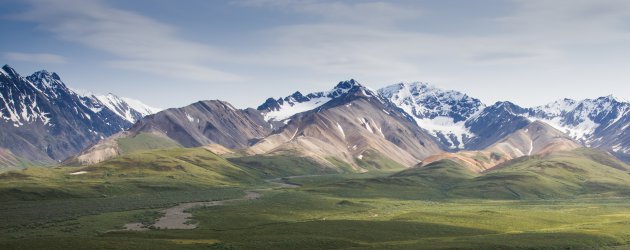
176	70
35	57
133	38
367	12
531	44
526	45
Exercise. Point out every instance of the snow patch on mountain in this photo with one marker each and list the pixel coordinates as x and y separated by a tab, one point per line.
581	119
364	122
448	128
126	108
288	109
341	131
441	112
190	118
139	106
558	107
283	108
580	131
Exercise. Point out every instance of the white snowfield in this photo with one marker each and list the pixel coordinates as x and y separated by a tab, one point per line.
413	99
123	106
290	106
288	109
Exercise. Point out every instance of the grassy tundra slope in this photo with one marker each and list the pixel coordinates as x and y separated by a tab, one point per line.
568	174
143	172
434	206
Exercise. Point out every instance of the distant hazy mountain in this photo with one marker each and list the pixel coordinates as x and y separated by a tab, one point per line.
42	120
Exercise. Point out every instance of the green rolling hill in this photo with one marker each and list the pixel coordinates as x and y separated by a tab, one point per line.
568	174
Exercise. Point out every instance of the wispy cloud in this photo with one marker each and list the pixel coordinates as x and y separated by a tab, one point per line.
380	38
175	70
133	38
494	56
43	58
525	44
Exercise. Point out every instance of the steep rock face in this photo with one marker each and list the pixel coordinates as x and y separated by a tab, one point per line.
126	108
600	123
42	120
349	127
493	123
455	119
207	122
458	121
441	112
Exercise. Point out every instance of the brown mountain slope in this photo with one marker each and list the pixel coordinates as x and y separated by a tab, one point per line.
537	138
207	122
198	124
358	128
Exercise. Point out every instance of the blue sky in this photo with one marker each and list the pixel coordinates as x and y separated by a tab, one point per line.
172	53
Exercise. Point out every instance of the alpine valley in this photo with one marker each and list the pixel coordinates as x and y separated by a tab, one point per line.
407	166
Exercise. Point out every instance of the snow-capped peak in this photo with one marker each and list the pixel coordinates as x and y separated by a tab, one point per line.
4	72
283	108
581	119
9	71
51	87
140	106
442	112
558	107
351	87
129	109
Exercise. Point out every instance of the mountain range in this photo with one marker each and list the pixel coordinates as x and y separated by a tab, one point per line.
43	121
463	122
350	127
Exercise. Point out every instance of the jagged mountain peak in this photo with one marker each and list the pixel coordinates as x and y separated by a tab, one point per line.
9	71
432	101
56	120
507	106
558	107
45	81
281	109
611	98
442	112
565	105
419	88
351	88
46	74
347	84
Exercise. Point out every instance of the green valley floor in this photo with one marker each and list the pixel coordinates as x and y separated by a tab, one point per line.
315	216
